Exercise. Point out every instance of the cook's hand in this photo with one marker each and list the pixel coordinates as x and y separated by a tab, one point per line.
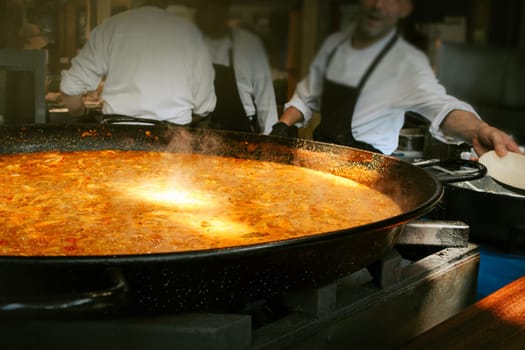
280	129
488	137
483	137
74	103
283	127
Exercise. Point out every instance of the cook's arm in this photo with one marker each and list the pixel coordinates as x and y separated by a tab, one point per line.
74	103
307	96
262	84
482	136
296	111
86	71
451	118
291	116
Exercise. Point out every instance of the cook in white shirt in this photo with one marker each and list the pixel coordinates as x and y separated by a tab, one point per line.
155	66
388	93
243	80
402	81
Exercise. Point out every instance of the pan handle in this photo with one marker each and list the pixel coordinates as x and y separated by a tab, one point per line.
102	300
465	170
108	119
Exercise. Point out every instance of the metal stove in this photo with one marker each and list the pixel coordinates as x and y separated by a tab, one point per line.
429	276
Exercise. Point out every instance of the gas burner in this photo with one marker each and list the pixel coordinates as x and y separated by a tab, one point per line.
429	276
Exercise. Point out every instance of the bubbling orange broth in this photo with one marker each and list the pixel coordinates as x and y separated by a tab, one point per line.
110	202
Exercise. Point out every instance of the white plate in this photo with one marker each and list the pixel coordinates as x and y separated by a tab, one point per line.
508	170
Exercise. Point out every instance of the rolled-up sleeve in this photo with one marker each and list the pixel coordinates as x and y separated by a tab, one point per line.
253	77
427	97
203	89
298	102
88	67
262	87
307	95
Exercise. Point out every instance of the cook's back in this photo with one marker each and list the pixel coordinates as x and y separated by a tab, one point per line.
155	65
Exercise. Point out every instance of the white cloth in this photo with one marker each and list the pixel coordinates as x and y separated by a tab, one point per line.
252	73
403	81
155	65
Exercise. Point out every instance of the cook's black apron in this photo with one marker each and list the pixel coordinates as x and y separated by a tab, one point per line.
229	113
338	106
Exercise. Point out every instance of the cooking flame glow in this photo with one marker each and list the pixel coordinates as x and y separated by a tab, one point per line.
171	195
190	207
175	196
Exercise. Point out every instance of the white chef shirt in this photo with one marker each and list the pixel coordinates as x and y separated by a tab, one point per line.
155	65
403	81
252	73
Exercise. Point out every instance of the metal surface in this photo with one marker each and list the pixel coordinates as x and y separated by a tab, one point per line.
435	233
411	139
494	215
488	185
429	291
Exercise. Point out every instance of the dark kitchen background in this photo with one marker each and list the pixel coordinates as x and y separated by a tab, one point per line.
291	29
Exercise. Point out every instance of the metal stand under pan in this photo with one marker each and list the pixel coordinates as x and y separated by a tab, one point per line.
430	276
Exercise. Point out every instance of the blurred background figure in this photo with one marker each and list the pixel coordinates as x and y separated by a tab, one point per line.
33	37
363	80
243	81
154	65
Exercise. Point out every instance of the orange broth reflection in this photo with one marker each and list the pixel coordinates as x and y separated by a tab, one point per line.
198	208
109	202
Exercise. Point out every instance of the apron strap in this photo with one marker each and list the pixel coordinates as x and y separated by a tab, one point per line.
376	61
337	115
372	66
